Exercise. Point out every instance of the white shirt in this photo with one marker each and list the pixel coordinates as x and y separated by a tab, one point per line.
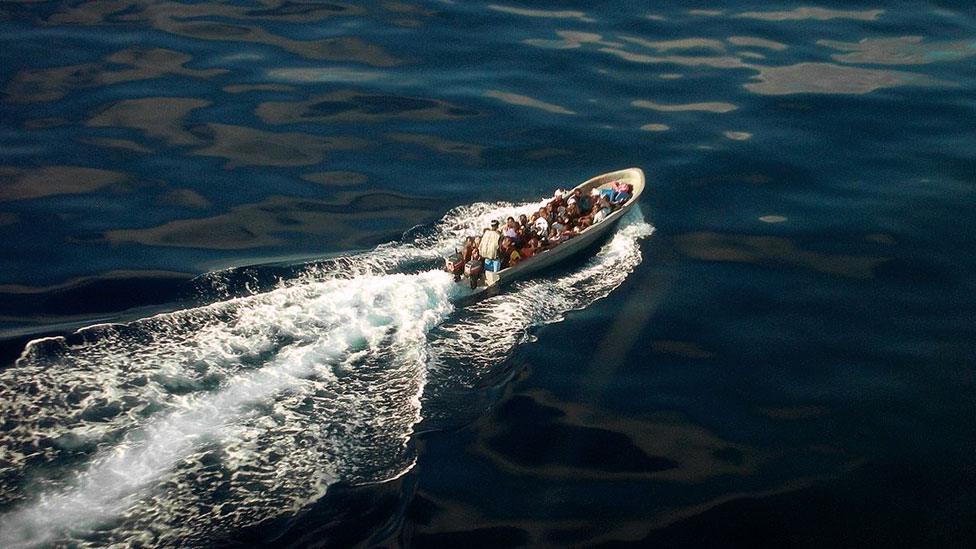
541	226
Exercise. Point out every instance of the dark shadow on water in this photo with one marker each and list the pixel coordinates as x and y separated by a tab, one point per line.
534	437
500	536
901	504
878	505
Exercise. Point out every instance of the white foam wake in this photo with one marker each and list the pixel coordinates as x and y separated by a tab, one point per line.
186	425
348	351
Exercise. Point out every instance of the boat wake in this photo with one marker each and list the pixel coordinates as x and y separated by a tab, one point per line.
192	424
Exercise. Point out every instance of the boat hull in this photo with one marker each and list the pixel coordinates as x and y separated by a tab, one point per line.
581	243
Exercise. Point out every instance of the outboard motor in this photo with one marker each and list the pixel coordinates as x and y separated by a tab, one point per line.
454	265
473	270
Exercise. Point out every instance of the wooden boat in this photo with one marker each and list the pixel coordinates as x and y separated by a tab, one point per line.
584	240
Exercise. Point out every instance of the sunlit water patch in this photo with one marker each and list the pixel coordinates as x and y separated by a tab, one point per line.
197	423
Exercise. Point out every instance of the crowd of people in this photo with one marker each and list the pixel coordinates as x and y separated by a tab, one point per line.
564	216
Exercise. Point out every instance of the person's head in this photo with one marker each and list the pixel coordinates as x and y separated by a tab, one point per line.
494	224
510	220
523	219
577	193
475	254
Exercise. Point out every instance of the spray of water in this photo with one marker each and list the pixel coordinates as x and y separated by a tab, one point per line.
189	424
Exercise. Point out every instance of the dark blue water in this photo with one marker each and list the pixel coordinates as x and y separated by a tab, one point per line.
219	324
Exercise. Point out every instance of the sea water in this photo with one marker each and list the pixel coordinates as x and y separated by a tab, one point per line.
222	320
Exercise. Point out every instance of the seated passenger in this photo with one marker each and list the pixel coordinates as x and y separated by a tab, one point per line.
511	229
572	211
557	225
583	203
509	253
601	214
552	210
621	192
558	197
567	233
530	248
555	237
542	223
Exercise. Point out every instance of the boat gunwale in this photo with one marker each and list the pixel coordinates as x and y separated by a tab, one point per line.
633	176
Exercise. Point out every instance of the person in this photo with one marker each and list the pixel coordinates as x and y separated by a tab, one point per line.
542	223
511	229
489	242
530	248
555	237
567	232
557	197
478	271
552	210
621	192
509	253
601	193
603	212
583	202
572	212
515	257
524	225
467	249
558	225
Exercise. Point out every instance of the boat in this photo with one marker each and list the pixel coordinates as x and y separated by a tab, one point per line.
586	238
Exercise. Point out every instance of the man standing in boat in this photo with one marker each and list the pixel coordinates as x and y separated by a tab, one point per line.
489	242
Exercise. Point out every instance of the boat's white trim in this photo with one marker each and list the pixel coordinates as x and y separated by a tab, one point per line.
633	176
